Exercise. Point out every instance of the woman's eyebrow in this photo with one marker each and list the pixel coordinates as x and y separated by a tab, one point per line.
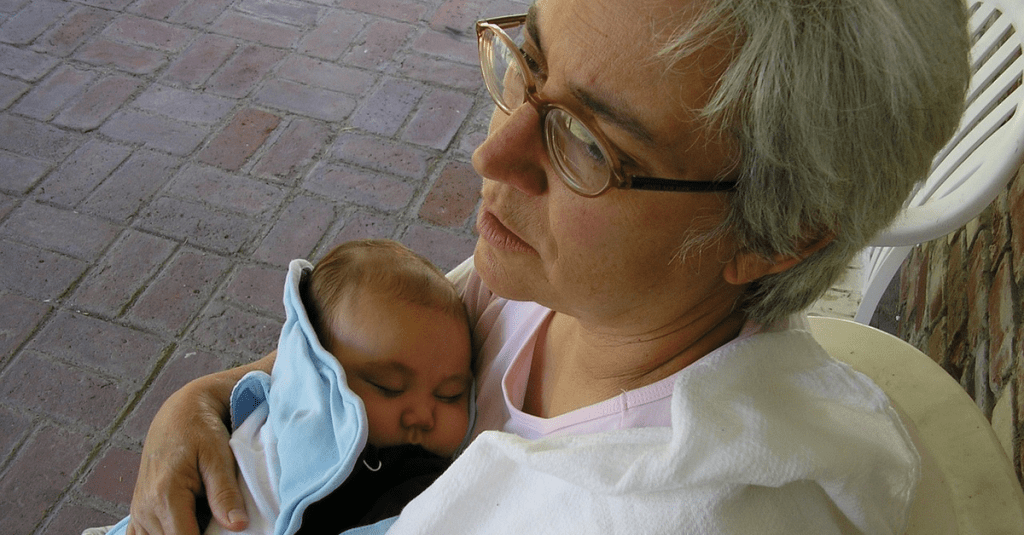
531	25
595	104
613	115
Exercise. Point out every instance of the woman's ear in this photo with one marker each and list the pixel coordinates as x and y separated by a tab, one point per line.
746	266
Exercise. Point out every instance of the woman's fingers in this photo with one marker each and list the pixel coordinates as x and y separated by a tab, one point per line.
219	473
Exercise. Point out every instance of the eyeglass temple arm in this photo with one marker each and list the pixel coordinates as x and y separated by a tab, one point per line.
693	186
506	21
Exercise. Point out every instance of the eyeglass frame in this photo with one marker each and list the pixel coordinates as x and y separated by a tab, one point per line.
617	178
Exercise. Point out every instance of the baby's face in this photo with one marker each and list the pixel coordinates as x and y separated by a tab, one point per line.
411	367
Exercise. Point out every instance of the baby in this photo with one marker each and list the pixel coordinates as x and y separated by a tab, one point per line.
337	448
399	330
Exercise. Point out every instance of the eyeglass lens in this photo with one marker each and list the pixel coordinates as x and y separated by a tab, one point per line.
574	150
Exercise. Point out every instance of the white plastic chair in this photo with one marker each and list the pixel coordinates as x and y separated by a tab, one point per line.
968	485
979	160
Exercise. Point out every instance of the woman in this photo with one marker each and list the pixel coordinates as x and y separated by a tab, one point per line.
666	184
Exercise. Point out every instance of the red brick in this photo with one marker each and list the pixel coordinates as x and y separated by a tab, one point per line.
98	102
250	28
39	475
917	275
36	273
148	33
113	477
24	64
156	132
1017	225
382	154
378	45
241	73
296	232
35	139
19	317
65	231
258	288
363	225
187	363
186	220
461	49
94	343
156	9
979	275
1002	325
454	196
62	391
384	111
293	151
184	105
115	5
217	188
82	172
131	58
391	9
179	292
937	351
50	95
131	186
200	12
21	172
14	427
456	14
228	330
200	60
313	102
285	11
240	139
71	518
444	249
444	72
31	22
365	188
937	279
11	90
327	75
114	281
440	115
333	36
955	284
74	30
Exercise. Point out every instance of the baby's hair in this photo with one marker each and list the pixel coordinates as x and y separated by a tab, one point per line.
383	267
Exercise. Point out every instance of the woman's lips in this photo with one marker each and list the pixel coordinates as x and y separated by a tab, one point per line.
497	234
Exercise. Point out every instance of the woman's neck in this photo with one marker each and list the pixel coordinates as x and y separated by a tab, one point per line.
575	366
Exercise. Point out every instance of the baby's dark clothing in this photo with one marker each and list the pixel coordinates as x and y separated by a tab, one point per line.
382	482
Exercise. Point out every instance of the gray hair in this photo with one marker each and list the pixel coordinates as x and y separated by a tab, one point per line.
838	107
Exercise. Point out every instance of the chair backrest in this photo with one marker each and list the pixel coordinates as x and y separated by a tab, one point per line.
968	485
988	147
976	164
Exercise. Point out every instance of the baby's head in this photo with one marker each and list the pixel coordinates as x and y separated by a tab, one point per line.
399	329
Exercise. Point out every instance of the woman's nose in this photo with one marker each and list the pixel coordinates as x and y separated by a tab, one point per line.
514	152
419	415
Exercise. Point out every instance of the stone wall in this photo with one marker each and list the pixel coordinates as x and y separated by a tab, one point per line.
961	303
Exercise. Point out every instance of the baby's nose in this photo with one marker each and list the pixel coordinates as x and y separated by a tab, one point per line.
419	415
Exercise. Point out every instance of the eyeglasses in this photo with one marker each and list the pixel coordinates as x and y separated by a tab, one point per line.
580	153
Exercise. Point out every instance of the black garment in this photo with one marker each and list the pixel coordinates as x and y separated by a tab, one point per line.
371	494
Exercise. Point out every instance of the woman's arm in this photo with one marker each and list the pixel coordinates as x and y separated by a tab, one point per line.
186	452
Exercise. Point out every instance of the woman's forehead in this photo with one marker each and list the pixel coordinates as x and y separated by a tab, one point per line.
607	51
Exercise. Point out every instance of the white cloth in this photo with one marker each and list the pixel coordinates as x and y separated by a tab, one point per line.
768	435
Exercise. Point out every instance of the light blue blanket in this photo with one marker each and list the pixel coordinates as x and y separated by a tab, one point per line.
319	423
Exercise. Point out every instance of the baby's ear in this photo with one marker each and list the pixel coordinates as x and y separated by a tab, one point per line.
746	266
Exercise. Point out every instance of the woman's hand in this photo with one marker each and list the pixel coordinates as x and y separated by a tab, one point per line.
186	454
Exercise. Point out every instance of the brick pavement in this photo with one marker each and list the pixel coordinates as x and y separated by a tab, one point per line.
162	160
